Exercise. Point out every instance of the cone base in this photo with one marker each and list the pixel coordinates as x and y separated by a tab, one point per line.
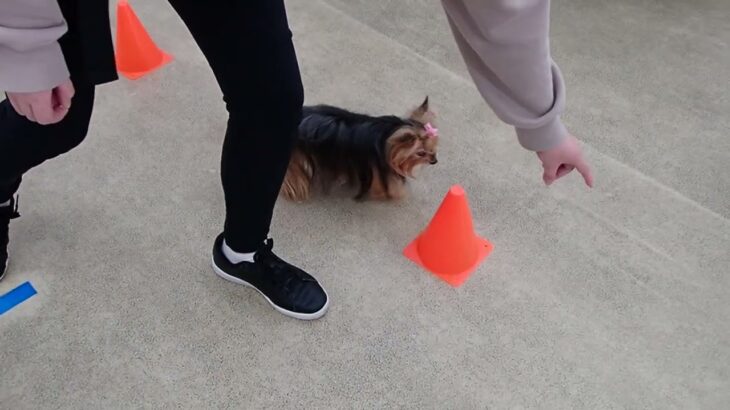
454	279
133	75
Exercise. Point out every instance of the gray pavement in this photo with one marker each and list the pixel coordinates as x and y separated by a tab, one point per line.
615	297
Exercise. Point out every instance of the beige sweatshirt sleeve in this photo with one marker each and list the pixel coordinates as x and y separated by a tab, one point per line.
30	56
505	44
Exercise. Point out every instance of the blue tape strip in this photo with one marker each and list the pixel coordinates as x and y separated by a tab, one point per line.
16	297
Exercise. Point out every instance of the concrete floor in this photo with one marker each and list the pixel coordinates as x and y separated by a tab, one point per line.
610	298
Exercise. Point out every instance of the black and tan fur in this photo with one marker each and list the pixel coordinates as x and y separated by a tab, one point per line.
373	155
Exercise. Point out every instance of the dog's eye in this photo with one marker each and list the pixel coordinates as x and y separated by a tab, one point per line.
421	153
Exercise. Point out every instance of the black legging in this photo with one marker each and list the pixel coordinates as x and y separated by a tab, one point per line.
25	144
248	45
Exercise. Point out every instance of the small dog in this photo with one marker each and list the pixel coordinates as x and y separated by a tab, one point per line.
375	155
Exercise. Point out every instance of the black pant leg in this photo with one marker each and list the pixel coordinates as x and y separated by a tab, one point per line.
25	144
249	47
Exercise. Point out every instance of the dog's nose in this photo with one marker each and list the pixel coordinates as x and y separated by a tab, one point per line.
434	161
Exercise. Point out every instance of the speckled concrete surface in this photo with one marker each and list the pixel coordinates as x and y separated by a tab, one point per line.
610	298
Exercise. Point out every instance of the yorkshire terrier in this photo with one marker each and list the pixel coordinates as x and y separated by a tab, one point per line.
374	155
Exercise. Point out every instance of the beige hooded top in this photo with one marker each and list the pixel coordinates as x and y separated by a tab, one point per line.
505	44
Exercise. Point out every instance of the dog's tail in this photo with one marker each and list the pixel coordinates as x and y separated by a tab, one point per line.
298	180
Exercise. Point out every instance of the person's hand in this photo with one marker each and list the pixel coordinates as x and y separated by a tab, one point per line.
561	160
44	107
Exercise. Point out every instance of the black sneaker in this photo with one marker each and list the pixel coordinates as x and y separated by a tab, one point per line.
290	290
7	213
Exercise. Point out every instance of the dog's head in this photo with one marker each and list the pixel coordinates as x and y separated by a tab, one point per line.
415	144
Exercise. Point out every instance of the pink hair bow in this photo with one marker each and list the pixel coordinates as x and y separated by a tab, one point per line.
431	131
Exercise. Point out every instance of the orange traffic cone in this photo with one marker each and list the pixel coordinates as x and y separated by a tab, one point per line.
448	247
136	53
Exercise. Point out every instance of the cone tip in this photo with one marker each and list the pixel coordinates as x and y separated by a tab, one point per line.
457	190
122	3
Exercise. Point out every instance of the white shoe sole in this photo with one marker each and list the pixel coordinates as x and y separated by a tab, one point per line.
7	265
301	316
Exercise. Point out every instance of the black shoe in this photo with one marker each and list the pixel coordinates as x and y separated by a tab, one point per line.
7	213
290	290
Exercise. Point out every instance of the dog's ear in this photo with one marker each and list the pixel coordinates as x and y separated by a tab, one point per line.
424	105
423	113
404	136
